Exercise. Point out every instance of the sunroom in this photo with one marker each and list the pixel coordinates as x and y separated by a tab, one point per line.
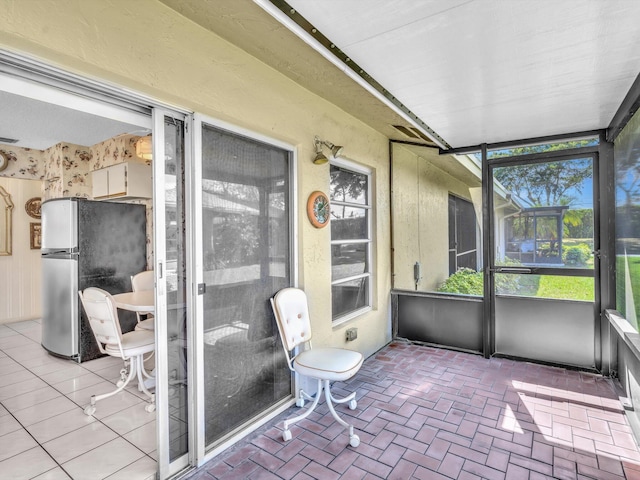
482	215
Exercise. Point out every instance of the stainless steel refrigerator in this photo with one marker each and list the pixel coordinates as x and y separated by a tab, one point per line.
86	244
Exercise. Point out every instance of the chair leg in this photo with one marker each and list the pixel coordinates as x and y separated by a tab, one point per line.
304	396
141	386
123	376
148	357
91	408
144	370
135	368
286	434
149	378
325	385
351	398
354	440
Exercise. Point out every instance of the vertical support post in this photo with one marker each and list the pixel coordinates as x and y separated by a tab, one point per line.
605	265
394	315
393	271
488	317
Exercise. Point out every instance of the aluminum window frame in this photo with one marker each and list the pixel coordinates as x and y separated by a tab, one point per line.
369	241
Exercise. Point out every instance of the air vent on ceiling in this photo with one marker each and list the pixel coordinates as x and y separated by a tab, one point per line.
8	140
412	132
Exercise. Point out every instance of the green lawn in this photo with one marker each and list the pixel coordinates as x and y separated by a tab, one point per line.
634	274
571	288
547	286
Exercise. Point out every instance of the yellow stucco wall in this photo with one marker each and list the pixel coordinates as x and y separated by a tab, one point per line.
421	218
145	46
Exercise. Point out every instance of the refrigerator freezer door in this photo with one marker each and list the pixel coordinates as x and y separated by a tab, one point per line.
59	225
60	305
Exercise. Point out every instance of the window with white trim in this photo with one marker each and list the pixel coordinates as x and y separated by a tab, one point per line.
351	240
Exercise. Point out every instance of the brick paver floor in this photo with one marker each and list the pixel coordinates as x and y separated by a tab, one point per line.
428	413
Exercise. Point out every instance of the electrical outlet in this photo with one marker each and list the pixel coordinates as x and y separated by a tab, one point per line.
352	334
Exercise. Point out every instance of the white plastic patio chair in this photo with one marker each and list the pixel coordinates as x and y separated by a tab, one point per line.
130	347
324	364
140	282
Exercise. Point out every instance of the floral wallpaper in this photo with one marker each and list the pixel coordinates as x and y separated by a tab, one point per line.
23	163
65	170
114	150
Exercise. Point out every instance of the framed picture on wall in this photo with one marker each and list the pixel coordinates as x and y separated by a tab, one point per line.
35	235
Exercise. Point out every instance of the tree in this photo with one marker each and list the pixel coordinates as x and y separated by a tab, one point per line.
548	183
578	223
346	186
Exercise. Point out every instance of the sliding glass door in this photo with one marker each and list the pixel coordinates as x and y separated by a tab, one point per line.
173	389
245	256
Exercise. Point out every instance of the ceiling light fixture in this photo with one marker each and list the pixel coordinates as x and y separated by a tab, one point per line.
144	148
320	157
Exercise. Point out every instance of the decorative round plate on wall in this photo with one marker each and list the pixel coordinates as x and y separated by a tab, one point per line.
32	206
4	161
318	209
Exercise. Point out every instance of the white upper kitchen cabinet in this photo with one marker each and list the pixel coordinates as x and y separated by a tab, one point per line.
122	180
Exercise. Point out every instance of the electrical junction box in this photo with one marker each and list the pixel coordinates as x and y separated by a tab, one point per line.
352	334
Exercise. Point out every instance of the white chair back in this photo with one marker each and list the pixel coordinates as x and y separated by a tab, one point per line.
103	317
142	281
292	316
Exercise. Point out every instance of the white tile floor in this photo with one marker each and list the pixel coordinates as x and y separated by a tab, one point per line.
44	433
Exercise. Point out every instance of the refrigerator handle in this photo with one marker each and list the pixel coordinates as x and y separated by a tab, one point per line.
159	269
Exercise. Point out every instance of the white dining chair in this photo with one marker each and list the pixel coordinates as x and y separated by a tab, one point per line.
130	347
324	364
140	282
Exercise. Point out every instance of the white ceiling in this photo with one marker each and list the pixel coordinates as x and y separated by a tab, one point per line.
474	71
492	70
39	125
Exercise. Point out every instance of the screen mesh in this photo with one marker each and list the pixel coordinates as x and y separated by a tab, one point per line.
246	255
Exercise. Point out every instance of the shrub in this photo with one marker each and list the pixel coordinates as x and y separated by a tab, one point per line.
465	281
507	283
470	282
577	256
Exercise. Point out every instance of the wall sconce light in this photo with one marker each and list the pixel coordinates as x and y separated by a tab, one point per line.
320	157
144	148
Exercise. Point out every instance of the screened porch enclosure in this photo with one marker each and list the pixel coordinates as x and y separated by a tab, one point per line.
538	297
534	236
436	232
